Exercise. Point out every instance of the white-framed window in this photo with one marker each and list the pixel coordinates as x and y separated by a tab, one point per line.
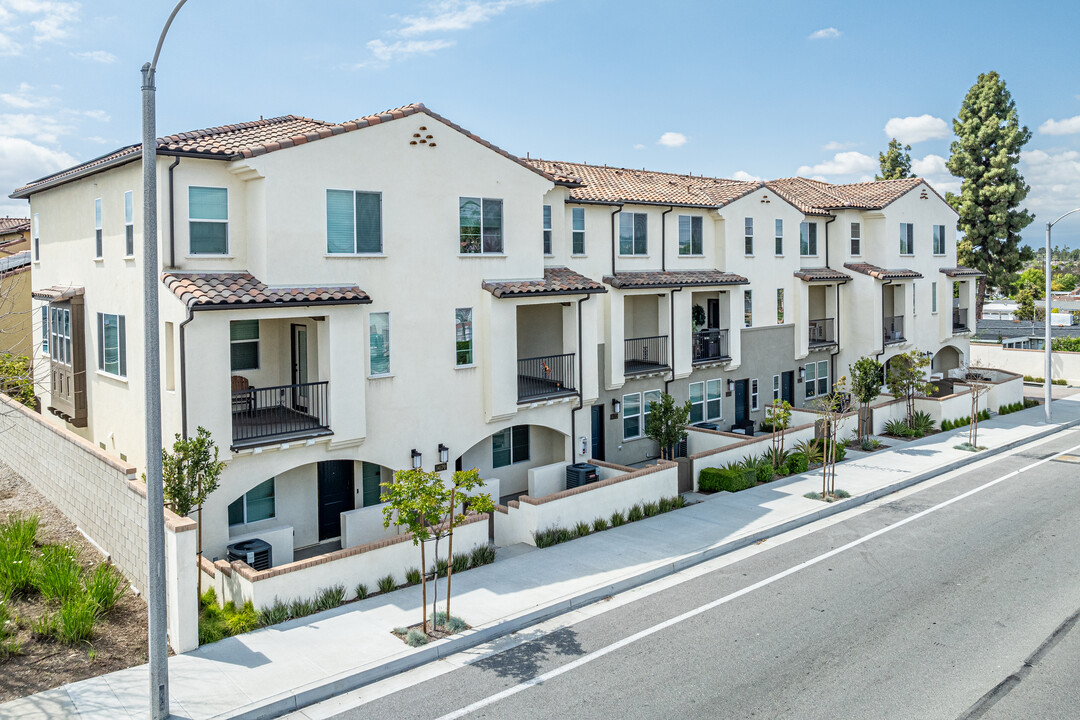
480	224
208	220
98	242
697	402
379	343
933	297
45	328
36	231
60	334
775	387
856	238
577	219
129	224
463	336
547	230
748	236
633	233
648	398
112	344
808	239
510	445
244	345
690	235
714	399
748	308
779	306
907	239
256	504
939	239
631	416
817	379
779	236
353	222
754	394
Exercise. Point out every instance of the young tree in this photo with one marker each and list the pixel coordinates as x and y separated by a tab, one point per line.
906	378
667	423
1025	305
464	482
1034	280
895	162
779	415
973	377
414	500
833	407
985	154
17	378
866	378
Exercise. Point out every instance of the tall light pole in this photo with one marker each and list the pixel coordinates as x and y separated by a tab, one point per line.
155	500
1046	319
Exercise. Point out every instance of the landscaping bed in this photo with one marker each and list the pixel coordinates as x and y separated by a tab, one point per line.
555	535
34	662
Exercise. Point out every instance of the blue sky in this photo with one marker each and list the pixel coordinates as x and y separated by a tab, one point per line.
729	89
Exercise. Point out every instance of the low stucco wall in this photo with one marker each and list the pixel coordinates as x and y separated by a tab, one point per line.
365	525
752	447
1063	365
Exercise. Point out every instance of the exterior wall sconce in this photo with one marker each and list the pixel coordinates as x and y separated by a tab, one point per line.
731	386
802	373
416	459
444	453
616	406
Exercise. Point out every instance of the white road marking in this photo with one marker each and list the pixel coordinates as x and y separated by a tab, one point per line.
597	654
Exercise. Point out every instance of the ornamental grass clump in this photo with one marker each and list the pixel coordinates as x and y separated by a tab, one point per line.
416	637
387	584
482	555
599	524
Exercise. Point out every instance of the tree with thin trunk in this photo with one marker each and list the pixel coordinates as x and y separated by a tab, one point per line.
833	407
895	162
866	377
463	491
779	416
907	379
415	500
975	378
667	424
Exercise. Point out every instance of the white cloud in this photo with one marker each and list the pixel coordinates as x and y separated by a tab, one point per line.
834	146
42	20
672	140
842	163
914	129
99	115
24	99
453	15
639	146
22	161
100	56
932	169
1055	181
384	53
1068	126
9	46
41	128
829	33
744	176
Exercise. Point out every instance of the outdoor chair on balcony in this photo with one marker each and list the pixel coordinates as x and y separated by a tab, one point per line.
243	395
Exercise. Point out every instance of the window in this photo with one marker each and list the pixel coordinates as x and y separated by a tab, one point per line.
633	233
775	387
808	238
690	242
37	239
856	239
714	403
779	306
244	345
631	416
45	329
907	239
510	446
817	379
480	222
754	394
748	236
353	222
933	297
208	220
379	343
578	230
254	505
939	239
60	334
748	308
547	229
697	402
463	336
811	380
98	249
779	237
112	345
649	397
129	224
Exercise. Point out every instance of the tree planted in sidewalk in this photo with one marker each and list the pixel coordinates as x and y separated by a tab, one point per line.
667	424
974	377
779	416
906	378
866	379
833	407
462	490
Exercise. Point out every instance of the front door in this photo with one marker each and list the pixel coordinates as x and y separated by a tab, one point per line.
300	368
372	484
787	386
712	314
335	496
598	432
742	401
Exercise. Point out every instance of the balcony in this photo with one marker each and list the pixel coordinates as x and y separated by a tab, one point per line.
892	329
546	377
261	416
960	320
645	355
821	333
710	346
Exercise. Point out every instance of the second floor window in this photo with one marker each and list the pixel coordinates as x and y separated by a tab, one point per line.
547	229
463	336
129	224
480	222
60	334
780	306
856	239
808	239
37	239
208	220
939	239
779	237
353	222
45	329
244	345
98	249
748	236
907	239
112	344
633	233
379	343
748	308
690	242
578	230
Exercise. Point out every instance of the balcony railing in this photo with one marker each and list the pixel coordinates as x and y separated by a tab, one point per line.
821	333
892	329
644	355
545	377
710	345
282	412
959	319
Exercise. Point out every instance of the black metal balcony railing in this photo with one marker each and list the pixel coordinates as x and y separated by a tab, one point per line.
545	377
282	411
892	329
821	332
710	345
960	319
647	354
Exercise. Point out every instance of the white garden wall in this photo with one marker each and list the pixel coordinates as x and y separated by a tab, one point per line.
1063	365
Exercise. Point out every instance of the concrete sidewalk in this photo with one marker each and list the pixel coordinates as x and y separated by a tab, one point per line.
275	670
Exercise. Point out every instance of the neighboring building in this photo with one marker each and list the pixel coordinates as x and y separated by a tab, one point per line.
1023	334
16	320
14	235
339	301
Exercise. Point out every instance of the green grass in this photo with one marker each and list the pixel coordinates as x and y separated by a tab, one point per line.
8	646
105	586
75	621
57	573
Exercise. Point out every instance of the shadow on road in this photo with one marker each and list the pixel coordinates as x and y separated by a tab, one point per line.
525	661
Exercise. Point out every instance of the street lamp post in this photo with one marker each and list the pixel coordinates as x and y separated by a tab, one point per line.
1046	318
155	501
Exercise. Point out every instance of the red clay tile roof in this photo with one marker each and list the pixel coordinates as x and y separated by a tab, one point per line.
815	197
822	274
961	272
557	281
881	273
198	290
12	224
671	279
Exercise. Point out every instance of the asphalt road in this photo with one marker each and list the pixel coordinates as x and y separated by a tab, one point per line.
934	618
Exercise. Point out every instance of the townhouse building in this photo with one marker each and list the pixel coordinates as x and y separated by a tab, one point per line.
339	301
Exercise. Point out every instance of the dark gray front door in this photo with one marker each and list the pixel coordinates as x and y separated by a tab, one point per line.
712	317
335	495
787	386
598	432
742	401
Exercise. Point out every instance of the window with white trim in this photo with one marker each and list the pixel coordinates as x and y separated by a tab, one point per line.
748	308
353	222
808	239
714	399
510	445
244	345
256	504
129	224
577	219
817	379
907	239
633	233
631	416
690	235
648	398
208	220
37	239
379	343
547	229
748	236
697	402
775	387
60	334
45	328
939	239
98	242
933	297
779	236
463	336
480	224
112	344
856	238
754	394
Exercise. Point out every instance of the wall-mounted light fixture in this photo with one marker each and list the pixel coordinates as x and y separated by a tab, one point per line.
802	373
444	453
416	459
616	406
731	386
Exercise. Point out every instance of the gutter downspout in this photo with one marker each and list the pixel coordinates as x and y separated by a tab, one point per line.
834	353
663	240
831	219
614	212
581	377
172	229
183	375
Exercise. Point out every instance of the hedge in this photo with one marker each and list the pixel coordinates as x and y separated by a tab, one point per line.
717	479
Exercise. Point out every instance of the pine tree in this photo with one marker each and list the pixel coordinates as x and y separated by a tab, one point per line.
895	162
985	154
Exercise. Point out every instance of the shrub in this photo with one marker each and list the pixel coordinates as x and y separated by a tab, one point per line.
797	464
243	620
387	584
984	415
634	514
811	450
279	612
678	502
75	621
416	638
599	524
552	536
330	598
764	472
922	423
946	425
362	590
812	496
617	519
412	576
777	458
57	574
665	505
1030	402
650	508
842	494
105	587
870	444
898	428
1059	382
460	563
482	555
452	625
581	529
729	479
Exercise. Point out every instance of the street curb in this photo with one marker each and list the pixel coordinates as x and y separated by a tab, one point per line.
355	678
